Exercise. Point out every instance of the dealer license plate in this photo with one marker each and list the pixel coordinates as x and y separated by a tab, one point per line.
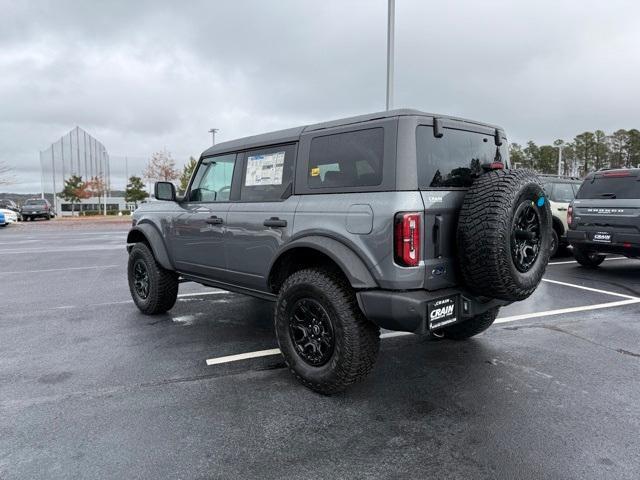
602	237
442	312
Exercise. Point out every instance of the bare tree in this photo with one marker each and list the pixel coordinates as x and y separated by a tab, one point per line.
161	167
6	174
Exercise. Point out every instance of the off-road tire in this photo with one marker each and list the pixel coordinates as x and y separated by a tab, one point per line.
356	339
485	234
472	326
588	259
163	284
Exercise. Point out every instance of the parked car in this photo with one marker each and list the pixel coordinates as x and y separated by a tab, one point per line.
605	216
37	208
3	221
9	215
11	205
401	220
561	191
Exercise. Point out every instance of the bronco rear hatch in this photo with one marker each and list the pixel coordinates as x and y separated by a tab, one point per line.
607	207
450	156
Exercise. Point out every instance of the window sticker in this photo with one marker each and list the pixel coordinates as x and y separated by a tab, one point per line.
315	171
264	169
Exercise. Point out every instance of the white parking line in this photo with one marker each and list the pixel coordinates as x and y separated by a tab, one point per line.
59	269
243	356
561	311
589	289
628	301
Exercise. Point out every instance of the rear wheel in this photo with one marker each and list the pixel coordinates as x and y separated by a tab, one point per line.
325	339
588	259
471	327
153	288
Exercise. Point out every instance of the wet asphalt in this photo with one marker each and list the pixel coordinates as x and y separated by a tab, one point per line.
90	388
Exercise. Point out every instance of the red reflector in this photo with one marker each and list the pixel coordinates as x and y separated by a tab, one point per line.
626	245
618	173
570	215
407	239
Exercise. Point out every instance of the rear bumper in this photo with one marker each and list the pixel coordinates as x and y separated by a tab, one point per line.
406	311
627	244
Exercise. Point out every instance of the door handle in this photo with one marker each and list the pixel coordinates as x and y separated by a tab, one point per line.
274	222
213	220
561	209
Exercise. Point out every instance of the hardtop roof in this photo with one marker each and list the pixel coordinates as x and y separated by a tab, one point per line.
293	134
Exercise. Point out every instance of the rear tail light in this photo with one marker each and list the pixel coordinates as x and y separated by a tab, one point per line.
617	173
570	215
407	239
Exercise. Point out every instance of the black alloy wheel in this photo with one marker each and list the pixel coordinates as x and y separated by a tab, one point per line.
525	236
141	279
311	332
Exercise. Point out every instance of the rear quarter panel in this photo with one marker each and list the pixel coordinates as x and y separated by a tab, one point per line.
364	222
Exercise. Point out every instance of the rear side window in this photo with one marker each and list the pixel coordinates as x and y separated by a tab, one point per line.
268	174
454	160
562	192
349	159
627	187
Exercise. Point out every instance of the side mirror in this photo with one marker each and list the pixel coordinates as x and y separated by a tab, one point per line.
165	191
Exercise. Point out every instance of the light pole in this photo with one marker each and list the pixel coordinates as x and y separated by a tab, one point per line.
560	144
390	49
213	135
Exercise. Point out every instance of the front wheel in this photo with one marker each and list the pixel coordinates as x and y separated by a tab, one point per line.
588	259
153	288
325	339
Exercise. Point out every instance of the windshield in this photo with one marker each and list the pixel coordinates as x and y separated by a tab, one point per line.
627	187
455	159
35	202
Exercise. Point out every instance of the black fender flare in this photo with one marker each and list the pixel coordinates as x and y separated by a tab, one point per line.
349	262
155	241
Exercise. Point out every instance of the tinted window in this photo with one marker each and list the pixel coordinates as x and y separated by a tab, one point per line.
268	174
350	159
610	187
212	182
455	159
562	192
36	202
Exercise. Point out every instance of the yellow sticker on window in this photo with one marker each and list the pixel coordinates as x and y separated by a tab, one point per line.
315	171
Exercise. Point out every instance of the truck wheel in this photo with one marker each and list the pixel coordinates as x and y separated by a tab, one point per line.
153	289
588	259
472	326
504	234
326	341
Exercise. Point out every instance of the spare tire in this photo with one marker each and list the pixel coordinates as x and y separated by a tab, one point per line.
504	234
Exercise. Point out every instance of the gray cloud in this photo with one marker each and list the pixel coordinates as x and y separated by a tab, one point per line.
141	76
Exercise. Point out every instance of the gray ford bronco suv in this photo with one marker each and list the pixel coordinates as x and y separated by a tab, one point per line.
403	220
605	216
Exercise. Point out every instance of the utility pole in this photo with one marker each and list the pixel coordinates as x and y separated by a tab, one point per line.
390	49
213	135
560	159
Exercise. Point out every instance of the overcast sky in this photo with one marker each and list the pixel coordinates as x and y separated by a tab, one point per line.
140	76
